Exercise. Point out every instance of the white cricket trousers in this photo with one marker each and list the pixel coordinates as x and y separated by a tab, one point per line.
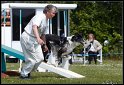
32	52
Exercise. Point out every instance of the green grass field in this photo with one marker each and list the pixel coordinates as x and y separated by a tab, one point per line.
110	72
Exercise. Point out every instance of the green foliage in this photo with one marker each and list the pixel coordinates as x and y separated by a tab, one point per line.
104	19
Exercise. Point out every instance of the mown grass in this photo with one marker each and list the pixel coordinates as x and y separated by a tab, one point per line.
110	72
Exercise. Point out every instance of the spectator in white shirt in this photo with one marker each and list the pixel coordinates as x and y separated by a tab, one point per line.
92	46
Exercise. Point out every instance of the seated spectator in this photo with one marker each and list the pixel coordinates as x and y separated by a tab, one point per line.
92	46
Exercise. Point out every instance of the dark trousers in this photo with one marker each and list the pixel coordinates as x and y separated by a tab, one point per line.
92	55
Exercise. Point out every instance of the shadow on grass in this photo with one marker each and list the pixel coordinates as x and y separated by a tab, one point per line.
9	74
12	73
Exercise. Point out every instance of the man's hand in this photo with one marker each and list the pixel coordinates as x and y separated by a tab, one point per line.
40	41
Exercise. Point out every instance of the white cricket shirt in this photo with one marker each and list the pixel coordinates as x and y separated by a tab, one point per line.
40	21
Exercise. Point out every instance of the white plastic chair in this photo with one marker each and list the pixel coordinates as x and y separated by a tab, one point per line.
99	56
